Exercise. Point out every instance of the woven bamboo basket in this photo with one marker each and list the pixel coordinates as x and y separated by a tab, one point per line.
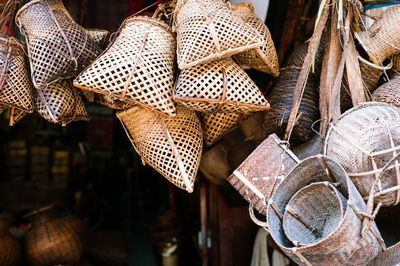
10	251
112	102
259	175
363	140
313	213
208	30
99	36
172	146
382	39
252	127
16	116
138	67
165	12
54	237
219	86
263	58
388	92
60	103
58	47
15	87
214	165
370	74
218	124
296	58
396	62
310	148
348	243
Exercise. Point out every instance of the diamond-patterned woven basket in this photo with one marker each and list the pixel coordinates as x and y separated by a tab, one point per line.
138	67
218	124
172	146
208	30
58	47
263	58
219	86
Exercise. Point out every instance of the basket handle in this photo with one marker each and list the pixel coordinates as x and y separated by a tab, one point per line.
256	220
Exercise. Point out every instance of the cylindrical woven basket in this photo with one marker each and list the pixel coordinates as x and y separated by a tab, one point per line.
112	102
346	244
313	213
60	103
208	30
388	92
257	178
218	124
263	58
172	146
363	140
138	67
370	74
383	38
58	47
10	251
99	36
15	85
219	86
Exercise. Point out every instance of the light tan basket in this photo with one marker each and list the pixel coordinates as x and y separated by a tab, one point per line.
60	103
16	90
363	140
218	124
58	47
172	146
383	37
355	240
99	36
112	103
208	30
219	86
388	92
263	58
138	67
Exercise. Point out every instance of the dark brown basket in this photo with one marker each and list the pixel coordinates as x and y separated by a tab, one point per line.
10	251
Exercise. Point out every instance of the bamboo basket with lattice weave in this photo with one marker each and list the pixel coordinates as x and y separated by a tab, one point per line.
58	47
219	86
208	30
363	140
388	92
60	103
99	36
263	58
16	90
112	102
218	124
172	146
354	240
138	67
382	39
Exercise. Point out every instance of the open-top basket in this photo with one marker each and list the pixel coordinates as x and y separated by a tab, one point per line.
208	30
218	124
219	86
350	242
138	67
263	58
58	47
363	140
172	146
388	92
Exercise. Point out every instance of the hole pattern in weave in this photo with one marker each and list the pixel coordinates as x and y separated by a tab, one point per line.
345	245
112	102
137	67
202	88
361	131
15	86
151	141
58	47
370	74
218	124
315	212
60	103
383	37
263	58
208	30
388	92
99	36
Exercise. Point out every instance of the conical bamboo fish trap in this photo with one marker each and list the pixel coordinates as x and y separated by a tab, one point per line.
388	92
263	58
58	47
383	38
60	103
218	124
15	86
112	103
99	36
354	241
363	140
138	67
219	86
172	146
208	30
